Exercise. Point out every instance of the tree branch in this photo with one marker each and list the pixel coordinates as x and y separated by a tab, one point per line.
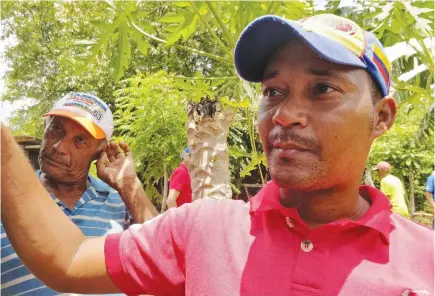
211	30
221	24
200	52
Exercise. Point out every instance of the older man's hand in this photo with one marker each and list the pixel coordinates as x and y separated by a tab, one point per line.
116	166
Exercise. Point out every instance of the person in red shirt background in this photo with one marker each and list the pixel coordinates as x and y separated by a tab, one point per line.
180	189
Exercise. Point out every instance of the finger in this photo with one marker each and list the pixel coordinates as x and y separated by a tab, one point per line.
104	146
125	147
110	154
116	150
102	161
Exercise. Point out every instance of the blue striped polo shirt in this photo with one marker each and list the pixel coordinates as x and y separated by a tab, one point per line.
99	211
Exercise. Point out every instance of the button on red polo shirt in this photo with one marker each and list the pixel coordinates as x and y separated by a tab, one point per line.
180	180
228	247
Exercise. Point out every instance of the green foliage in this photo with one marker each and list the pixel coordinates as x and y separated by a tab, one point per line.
42	57
397	148
153	124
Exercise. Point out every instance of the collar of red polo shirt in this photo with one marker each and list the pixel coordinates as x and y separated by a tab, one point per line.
377	217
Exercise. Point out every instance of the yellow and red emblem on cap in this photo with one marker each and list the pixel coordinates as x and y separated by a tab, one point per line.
339	29
86	123
382	62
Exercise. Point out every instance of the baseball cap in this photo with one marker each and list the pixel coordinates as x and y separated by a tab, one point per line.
382	165
185	152
334	38
87	110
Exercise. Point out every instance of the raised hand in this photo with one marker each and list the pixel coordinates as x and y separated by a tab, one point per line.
116	166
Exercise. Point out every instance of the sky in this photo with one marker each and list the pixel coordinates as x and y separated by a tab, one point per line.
5	107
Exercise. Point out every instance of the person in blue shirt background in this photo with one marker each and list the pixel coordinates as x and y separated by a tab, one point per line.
430	192
77	132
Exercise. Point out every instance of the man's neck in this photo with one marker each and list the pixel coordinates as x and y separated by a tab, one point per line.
325	206
67	192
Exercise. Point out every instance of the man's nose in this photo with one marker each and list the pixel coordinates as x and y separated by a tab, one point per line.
60	146
292	112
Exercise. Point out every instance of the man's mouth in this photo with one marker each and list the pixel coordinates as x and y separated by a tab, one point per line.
53	162
288	149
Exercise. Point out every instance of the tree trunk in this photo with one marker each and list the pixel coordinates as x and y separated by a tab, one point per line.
411	194
207	130
165	187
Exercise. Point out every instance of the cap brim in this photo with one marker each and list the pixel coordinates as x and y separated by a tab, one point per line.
86	123
264	35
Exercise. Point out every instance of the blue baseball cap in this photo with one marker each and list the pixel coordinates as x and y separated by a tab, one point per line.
334	38
185	152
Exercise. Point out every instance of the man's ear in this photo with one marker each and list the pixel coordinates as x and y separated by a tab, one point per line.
385	115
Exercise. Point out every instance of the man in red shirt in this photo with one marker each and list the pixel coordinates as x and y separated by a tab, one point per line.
180	189
312	230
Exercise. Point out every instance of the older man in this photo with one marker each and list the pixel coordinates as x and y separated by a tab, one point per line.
312	230
77	131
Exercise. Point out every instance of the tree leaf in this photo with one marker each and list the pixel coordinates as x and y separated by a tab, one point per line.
189	26
122	54
250	166
174	37
172	18
142	44
181	4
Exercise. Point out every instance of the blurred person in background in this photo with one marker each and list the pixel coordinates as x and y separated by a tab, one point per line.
180	188
430	192
392	187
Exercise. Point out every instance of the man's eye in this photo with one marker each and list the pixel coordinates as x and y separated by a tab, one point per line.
55	129
80	140
272	92
324	88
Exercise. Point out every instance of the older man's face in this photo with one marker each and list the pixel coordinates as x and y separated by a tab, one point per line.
315	119
67	150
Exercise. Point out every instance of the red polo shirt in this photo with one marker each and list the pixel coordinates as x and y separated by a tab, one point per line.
227	247
180	180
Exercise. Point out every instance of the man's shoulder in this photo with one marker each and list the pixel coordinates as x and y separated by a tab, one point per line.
411	242
209	204
181	169
208	209
411	231
391	180
201	217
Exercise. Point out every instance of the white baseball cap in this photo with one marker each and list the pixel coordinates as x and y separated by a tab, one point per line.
87	110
